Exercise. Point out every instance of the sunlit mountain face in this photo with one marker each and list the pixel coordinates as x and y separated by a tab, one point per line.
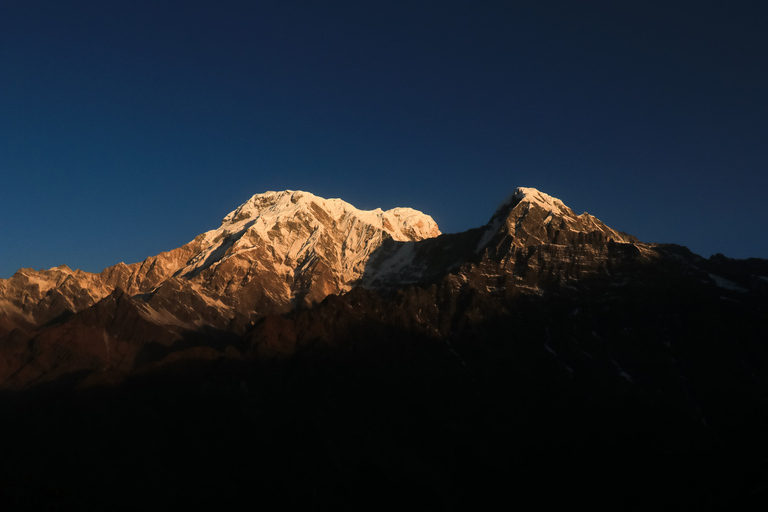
307	353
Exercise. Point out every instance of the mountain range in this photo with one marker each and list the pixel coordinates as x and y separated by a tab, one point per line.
315	354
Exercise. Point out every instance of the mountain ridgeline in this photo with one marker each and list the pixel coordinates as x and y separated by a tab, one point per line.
320	355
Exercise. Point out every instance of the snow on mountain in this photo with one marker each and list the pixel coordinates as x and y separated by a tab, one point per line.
532	195
279	249
278	219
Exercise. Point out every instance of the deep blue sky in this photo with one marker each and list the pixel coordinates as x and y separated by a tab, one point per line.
129	127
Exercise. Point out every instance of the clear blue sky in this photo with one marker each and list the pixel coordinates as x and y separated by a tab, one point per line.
129	127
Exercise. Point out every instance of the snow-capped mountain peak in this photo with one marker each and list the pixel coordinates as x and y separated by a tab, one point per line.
293	223
273	207
532	195
281	247
530	216
535	196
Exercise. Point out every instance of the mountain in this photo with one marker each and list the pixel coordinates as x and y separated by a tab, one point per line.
319	355
274	252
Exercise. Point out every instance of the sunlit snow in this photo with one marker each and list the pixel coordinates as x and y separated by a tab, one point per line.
726	283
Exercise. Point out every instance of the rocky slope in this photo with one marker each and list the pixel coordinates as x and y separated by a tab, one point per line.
347	355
